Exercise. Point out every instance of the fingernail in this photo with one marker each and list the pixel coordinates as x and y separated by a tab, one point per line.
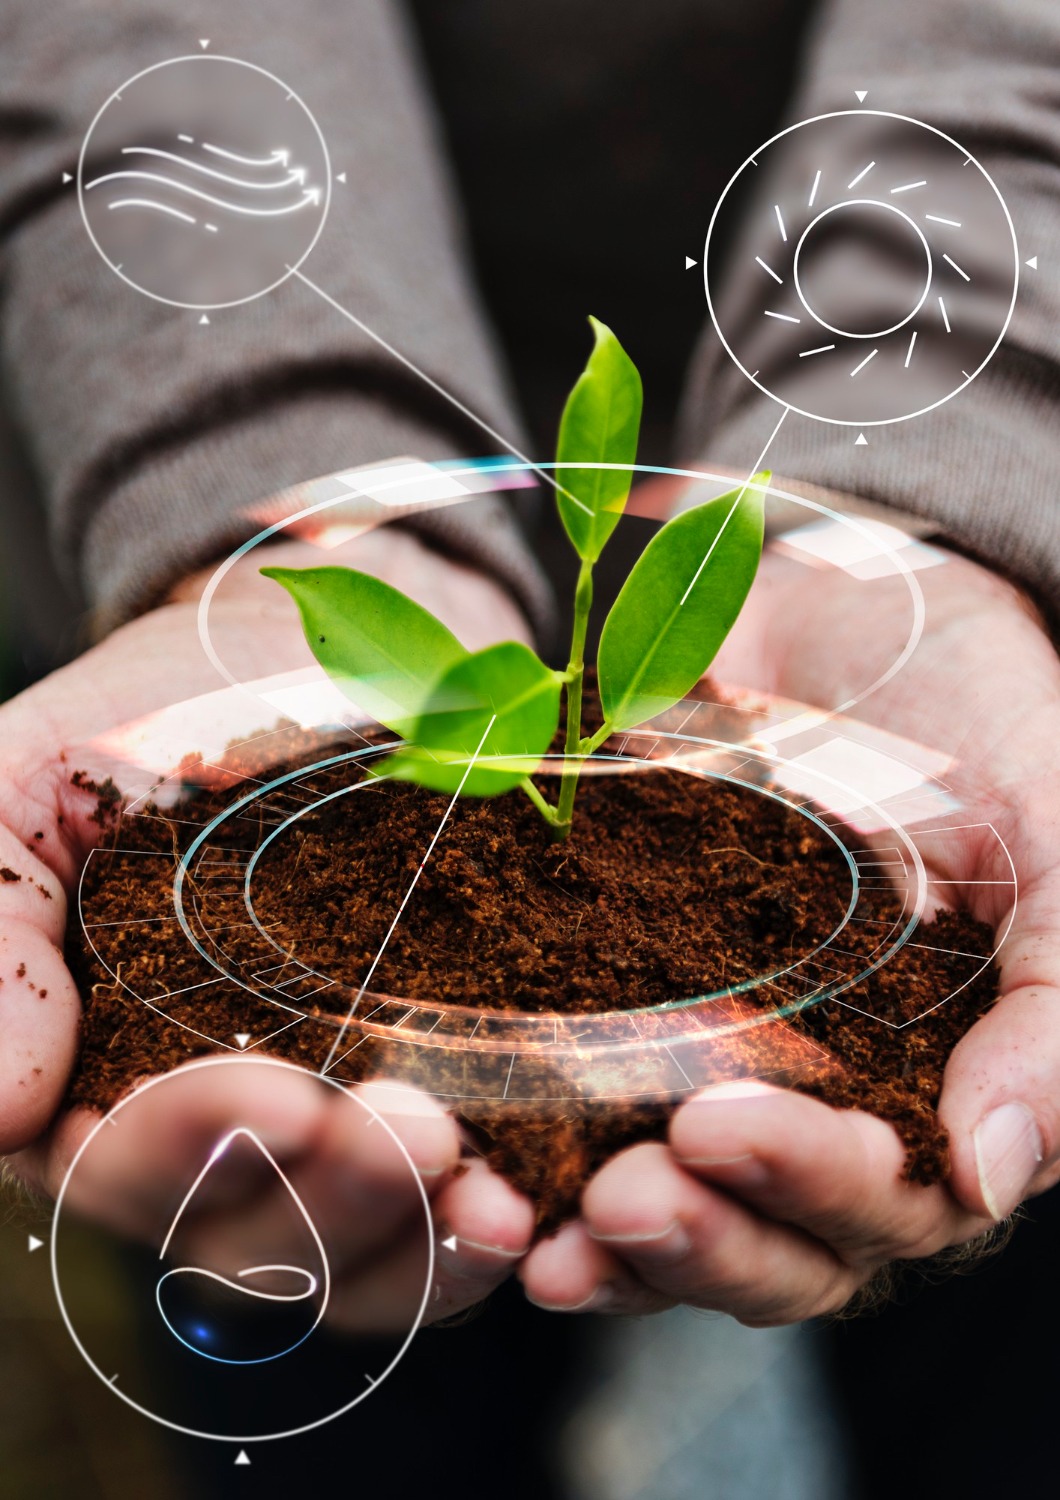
739	1088
1008	1153
443	1235
672	1243
756	1173
602	1297
395	1100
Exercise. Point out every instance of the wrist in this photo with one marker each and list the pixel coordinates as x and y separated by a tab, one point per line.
478	609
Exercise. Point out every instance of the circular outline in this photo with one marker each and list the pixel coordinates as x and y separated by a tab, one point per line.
613	759
305	511
856	524
869	203
168	63
877	421
608	1043
213	1062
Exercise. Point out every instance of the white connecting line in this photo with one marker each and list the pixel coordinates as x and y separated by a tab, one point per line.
331	1059
448	395
732	511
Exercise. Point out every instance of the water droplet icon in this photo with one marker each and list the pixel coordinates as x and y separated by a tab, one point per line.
259	1311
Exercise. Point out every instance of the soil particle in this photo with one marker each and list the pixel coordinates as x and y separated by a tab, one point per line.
670	886
108	797
9	876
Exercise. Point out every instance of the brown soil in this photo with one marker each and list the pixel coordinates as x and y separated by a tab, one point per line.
670	886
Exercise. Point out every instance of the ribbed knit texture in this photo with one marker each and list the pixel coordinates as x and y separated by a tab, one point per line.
150	432
984	466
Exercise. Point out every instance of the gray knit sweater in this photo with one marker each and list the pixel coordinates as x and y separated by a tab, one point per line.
149	433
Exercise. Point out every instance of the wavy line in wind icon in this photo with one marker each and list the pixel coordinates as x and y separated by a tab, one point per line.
203	181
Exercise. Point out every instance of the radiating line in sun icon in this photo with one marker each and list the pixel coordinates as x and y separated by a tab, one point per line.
850	243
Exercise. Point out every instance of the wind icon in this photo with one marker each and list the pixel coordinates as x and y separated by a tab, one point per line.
267	1308
256	187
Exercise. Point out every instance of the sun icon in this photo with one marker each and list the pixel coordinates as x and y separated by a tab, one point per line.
878	268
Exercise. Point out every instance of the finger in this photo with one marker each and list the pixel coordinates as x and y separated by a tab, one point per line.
835	1174
690	1242
39	1012
1001	1091
135	1172
1001	1103
491	1224
357	1179
30	892
425	1129
571	1272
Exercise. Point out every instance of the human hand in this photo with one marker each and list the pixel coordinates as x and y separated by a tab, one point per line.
772	1206
46	833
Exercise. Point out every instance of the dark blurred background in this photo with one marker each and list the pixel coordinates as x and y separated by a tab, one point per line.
949	1391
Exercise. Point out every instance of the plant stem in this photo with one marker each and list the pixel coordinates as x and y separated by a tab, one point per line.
583	599
592	744
547	811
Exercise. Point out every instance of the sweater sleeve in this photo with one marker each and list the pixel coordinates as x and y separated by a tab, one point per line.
983	464
150	434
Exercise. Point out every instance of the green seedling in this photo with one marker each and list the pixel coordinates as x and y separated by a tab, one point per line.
480	721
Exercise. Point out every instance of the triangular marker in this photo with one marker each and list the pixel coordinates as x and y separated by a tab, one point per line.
67	177
34	1243
341	177
860	94
689	263
204	42
1033	263
204	319
861	441
241	1458
242	1038
450	1243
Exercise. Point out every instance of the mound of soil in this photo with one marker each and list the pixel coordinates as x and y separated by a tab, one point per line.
670	886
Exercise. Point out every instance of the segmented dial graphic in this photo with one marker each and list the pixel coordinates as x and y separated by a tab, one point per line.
873	275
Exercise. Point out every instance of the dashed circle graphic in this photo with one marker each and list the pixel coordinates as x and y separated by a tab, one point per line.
204	181
874	275
225	1345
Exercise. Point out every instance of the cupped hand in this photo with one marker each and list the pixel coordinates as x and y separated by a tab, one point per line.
774	1207
46	832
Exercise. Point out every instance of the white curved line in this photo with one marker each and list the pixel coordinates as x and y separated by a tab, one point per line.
249	1291
150	203
295	1271
283	157
311	195
296	174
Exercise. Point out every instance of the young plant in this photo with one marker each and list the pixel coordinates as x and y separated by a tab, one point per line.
474	721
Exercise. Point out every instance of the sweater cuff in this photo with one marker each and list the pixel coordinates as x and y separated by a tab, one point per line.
194	503
980	470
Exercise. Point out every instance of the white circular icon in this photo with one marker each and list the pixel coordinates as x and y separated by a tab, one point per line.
226	1343
873	277
204	181
812	233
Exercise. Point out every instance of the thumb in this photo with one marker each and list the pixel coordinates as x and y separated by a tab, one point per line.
1001	1093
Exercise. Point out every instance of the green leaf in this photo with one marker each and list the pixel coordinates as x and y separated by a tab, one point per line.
678	605
502	703
382	649
600	424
